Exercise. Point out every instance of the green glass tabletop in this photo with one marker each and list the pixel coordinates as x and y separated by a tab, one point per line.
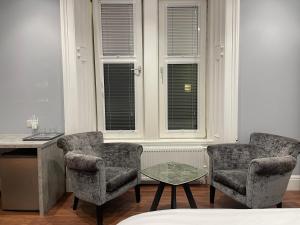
174	173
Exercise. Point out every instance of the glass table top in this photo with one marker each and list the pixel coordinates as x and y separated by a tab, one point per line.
174	173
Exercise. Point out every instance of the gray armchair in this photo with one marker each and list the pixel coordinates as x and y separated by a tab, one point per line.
254	174
100	171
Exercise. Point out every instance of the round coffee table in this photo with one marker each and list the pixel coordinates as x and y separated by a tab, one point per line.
174	174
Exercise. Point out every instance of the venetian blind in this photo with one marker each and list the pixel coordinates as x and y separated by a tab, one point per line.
182	31
119	96
182	96
117	29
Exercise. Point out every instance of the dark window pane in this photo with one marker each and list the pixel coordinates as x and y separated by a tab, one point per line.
119	96
182	96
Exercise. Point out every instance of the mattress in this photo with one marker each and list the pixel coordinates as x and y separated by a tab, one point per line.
217	217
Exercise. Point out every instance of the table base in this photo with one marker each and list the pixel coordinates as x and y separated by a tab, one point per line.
160	190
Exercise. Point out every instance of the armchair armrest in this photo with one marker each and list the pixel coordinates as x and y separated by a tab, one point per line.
267	180
82	162
122	154
273	165
232	156
87	176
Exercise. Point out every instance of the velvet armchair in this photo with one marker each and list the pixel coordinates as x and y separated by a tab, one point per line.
254	174
100	171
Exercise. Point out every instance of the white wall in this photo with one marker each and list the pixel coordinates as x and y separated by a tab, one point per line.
269	96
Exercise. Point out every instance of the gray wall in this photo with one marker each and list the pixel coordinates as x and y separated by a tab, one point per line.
269	98
30	65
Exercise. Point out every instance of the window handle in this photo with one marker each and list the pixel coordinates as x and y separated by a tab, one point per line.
137	71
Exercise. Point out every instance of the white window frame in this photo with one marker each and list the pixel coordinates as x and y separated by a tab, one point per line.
164	60
136	59
222	83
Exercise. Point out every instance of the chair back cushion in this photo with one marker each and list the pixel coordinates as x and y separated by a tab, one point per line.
86	143
275	145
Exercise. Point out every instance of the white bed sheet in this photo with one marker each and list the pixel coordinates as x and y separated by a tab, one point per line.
217	217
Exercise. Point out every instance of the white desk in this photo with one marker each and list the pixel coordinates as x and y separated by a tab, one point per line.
51	169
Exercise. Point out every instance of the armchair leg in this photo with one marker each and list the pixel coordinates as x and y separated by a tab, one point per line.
137	189
75	203
99	215
279	205
212	194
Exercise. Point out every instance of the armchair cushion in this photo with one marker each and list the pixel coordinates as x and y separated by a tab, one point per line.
118	176
235	179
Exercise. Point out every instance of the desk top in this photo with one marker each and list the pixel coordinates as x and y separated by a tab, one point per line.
15	141
174	173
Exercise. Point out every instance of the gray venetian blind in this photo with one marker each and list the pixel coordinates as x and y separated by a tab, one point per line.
182	96
182	31
119	96
117	29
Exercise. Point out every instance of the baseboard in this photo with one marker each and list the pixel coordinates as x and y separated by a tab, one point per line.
294	183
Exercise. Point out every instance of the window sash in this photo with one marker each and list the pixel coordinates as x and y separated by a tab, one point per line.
135	58
165	59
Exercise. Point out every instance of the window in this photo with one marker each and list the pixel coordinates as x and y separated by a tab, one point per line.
171	99
119	74
182	36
